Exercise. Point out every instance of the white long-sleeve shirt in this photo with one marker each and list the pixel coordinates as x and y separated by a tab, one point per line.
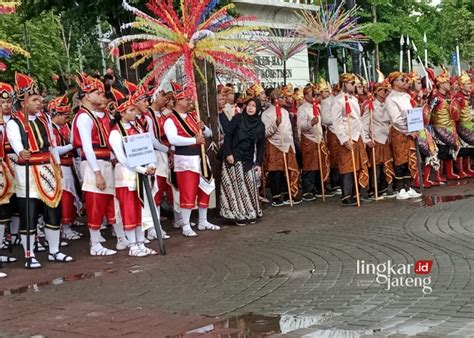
341	120
326	117
157	145
381	123
172	134
397	104
84	125
14	137
280	136
304	122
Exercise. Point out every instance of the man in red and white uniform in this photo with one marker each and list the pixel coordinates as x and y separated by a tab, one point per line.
31	137
146	120
7	183
10	157
59	110
186	134
91	128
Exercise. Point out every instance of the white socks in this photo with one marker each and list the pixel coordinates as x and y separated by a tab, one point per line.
139	234
32	242
202	215
52	236
95	236
131	236
186	217
118	228
178	218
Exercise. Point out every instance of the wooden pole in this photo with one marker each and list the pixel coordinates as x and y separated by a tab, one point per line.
373	154
321	172
353	164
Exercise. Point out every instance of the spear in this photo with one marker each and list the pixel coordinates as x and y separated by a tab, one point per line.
27	183
344	66
428	82
409	54
401	53
425	40
458	57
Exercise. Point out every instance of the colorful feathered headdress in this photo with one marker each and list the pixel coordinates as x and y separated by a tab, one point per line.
25	85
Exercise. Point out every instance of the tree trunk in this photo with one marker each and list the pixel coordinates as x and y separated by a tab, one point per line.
207	100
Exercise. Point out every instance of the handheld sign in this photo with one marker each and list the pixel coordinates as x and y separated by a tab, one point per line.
415	119
139	150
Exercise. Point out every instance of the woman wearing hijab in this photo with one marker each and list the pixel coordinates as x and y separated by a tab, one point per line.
244	146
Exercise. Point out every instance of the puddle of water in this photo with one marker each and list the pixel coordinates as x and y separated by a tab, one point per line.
56	281
429	201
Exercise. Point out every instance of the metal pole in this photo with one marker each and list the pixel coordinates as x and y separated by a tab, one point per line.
27	188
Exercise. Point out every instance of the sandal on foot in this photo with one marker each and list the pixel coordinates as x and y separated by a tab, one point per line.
208	226
60	257
189	233
7	259
34	264
148	251
40	247
135	251
99	250
71	235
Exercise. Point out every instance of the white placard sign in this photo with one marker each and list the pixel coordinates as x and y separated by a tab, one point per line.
139	150
415	119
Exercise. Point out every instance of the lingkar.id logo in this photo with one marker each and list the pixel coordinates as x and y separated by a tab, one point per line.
399	275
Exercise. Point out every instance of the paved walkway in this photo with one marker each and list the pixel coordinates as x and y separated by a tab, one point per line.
293	274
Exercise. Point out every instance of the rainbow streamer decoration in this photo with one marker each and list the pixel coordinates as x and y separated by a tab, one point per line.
7	49
332	26
169	38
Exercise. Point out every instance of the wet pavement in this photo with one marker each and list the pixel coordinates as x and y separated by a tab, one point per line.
390	268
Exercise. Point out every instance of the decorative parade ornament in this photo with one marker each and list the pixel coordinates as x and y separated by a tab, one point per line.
3	66
88	84
59	105
331	25
6	91
186	35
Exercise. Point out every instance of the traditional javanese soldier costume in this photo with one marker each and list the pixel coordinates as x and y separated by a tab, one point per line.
331	139
346	117
377	128
312	146
34	133
133	203
10	159
397	104
148	122
90	136
7	183
444	126
181	129
280	143
460	109
71	200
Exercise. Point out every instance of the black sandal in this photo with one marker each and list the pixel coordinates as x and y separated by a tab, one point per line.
54	258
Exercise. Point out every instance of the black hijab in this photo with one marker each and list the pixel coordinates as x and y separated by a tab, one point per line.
250	125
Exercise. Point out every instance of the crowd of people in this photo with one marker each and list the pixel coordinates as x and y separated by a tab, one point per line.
67	157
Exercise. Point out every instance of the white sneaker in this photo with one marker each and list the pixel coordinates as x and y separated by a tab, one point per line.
99	250
122	243
208	226
413	194
3	274
402	195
